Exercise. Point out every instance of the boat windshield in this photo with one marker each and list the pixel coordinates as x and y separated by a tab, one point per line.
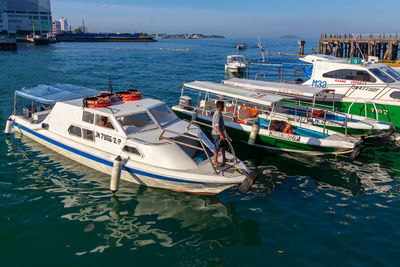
382	75
391	72
236	60
136	123
163	115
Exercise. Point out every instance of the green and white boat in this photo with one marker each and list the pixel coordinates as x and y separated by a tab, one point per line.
355	86
251	117
304	108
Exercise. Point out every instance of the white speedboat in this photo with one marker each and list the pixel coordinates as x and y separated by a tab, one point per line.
236	64
133	138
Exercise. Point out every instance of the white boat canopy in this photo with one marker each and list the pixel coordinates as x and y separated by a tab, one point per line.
53	93
280	88
257	97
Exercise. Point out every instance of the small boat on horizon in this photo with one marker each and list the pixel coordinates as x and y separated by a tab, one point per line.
241	46
128	136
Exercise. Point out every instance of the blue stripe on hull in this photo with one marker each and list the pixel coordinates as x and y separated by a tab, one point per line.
102	161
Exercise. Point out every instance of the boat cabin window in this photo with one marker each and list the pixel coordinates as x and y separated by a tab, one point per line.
391	72
382	75
138	122
104	121
163	115
75	131
88	134
395	95
88	117
352	75
132	150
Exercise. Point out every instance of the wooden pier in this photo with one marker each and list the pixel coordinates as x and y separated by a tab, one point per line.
383	46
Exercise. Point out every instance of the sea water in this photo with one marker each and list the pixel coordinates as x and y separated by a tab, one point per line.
303	210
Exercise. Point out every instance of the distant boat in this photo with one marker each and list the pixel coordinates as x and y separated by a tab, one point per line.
241	46
37	39
235	64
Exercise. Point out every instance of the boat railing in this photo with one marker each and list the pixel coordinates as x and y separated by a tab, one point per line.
202	148
365	107
260	76
328	107
228	139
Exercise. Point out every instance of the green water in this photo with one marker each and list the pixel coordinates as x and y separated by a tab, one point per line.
302	211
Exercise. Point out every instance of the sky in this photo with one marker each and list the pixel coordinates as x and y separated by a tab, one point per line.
233	18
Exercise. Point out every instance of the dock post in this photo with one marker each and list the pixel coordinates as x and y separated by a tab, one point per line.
301	46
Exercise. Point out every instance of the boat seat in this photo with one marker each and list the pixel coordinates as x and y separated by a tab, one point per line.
230	109
210	105
41	115
228	116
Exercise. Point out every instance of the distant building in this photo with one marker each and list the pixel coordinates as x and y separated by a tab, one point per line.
64	24
25	15
56	29
83	27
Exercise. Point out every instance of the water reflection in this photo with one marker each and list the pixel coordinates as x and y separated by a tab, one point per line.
372	173
138	216
231	75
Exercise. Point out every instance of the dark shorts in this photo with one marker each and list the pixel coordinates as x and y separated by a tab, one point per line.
217	140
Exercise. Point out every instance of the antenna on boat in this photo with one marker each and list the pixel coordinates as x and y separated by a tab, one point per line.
358	47
110	88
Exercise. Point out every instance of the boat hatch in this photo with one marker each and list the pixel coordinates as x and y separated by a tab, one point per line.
193	147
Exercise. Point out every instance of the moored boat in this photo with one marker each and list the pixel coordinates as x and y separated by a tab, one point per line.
251	117
236	64
356	86
133	138
301	104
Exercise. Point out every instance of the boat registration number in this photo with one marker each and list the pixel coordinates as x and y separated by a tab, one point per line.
319	84
290	137
108	138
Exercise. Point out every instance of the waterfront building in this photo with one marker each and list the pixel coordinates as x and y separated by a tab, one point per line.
64	24
22	16
56	29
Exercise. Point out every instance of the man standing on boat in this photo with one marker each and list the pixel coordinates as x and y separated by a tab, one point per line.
218	132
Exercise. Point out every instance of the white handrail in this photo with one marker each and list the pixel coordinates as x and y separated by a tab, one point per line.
365	100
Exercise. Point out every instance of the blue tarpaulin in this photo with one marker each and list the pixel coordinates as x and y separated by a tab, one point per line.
56	92
307	69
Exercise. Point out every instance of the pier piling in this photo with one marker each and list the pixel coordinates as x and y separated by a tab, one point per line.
383	46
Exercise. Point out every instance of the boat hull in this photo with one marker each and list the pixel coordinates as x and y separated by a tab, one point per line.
388	113
161	179
270	143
